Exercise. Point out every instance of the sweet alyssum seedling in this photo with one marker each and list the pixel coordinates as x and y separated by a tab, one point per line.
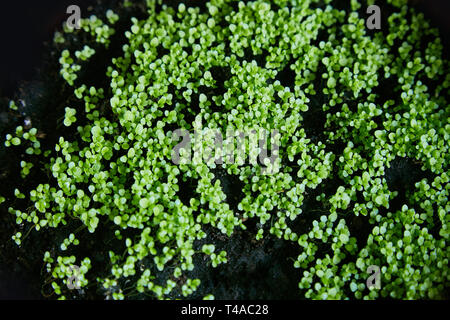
224	67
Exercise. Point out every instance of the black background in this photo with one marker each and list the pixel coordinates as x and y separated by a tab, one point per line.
24	27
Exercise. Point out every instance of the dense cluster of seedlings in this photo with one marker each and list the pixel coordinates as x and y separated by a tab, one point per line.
382	96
